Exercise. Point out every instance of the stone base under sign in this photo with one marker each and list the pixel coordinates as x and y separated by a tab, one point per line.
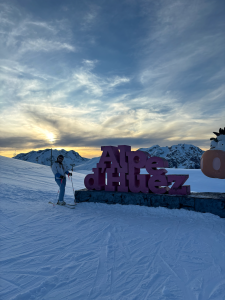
213	203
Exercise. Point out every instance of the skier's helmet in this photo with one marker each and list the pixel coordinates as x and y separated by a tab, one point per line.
60	157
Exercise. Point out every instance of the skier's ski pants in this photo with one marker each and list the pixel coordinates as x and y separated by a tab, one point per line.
62	186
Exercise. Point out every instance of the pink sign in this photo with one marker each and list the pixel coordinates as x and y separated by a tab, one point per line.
122	167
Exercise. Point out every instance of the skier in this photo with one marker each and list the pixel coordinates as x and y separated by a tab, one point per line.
59	171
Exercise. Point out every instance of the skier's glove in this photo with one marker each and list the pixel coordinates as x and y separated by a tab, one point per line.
61	177
70	174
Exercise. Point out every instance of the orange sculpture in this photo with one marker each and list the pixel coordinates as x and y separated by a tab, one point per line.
213	160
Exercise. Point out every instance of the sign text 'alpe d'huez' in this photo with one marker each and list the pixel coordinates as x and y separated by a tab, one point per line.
122	167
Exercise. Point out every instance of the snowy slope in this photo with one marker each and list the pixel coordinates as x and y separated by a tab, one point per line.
182	156
89	165
100	251
44	157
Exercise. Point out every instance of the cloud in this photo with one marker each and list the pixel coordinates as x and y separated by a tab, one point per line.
44	45
176	69
94	84
153	76
89	81
89	64
71	128
174	18
22	142
181	68
118	80
47	119
43	25
90	17
28	85
22	35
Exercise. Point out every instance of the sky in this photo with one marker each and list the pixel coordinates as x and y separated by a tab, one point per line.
79	75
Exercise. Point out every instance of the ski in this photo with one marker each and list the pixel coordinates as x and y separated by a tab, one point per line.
71	206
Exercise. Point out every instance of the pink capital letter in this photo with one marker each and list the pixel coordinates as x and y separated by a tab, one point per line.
116	180
110	158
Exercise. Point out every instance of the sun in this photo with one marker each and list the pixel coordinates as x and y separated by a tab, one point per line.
50	136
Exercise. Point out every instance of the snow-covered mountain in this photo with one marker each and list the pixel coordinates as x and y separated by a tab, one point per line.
182	156
43	157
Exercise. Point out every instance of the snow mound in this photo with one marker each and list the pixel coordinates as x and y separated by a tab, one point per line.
89	165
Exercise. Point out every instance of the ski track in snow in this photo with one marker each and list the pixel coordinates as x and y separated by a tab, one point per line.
100	251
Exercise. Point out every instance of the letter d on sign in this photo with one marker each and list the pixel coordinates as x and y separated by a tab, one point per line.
89	181
95	181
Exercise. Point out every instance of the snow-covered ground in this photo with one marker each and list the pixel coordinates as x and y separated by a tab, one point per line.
100	251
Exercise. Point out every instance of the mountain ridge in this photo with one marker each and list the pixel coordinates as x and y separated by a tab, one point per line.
185	156
43	157
181	156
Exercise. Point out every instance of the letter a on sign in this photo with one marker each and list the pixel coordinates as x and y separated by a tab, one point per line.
110	158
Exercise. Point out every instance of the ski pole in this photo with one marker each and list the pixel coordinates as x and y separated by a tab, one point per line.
73	189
